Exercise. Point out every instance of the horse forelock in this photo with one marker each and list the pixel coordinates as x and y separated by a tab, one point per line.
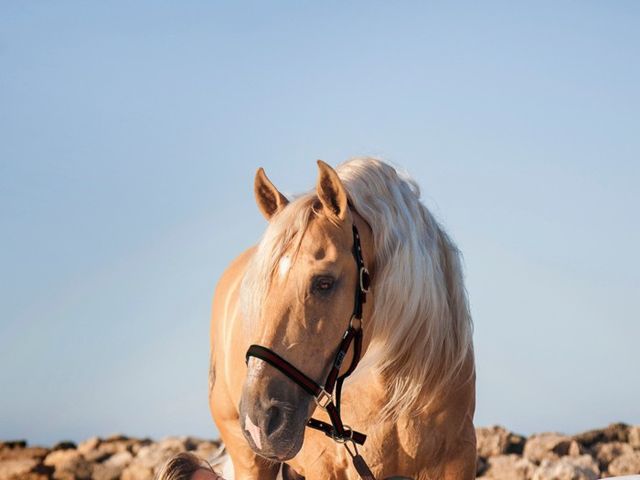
420	326
280	242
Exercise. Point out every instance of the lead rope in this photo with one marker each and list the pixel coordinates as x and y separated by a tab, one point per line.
324	395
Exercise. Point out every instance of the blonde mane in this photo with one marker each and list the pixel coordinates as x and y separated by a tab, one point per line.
421	327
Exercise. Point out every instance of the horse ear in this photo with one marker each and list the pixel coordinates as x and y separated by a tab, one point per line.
331	192
270	201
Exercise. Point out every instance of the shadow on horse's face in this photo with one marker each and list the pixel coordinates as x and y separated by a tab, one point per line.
302	319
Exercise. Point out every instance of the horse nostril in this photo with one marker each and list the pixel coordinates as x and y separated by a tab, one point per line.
274	420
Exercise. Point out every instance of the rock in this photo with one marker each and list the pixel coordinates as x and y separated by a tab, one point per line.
634	437
151	457
64	445
575	449
97	450
97	456
33	476
616	432
138	444
508	467
605	453
496	440
568	468
88	445
137	472
16	468
104	472
626	464
154	455
37	453
112	468
549	446
208	450
40	472
191	443
9	444
179	444
68	465
120	459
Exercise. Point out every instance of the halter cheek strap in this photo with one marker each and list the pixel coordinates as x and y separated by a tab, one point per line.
328	396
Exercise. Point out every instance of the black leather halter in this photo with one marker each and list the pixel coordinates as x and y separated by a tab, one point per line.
324	395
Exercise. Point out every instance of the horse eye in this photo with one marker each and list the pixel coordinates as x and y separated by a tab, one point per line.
323	284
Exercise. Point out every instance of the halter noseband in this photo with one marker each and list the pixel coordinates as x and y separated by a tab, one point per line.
324	395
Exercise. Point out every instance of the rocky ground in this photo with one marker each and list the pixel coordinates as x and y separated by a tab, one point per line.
502	454
112	458
601	453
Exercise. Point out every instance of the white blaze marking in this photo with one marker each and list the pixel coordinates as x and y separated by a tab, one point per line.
254	366
253	430
284	265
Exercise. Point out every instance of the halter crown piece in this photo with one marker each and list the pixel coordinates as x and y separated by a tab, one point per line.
328	396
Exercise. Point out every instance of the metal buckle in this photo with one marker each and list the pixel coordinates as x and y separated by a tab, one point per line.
363	272
323	399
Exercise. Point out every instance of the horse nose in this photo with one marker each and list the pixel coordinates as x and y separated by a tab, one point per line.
273	420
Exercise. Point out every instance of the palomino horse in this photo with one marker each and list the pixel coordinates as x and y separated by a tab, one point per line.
413	392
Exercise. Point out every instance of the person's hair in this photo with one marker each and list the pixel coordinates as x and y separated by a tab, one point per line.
181	467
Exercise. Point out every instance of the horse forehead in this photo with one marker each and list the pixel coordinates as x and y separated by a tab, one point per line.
323	234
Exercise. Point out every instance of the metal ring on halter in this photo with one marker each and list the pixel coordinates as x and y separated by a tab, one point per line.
355	322
346	439
323	399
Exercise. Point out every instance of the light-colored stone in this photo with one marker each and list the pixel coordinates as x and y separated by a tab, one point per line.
548	446
139	443
113	467
88	445
208	450
508	467
103	449
105	472
605	453
626	464
137	472
179	444
16	468
583	467
68	465
154	455
616	432
37	453
634	437
32	476
120	459
497	440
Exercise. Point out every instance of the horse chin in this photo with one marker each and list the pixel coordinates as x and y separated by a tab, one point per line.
281	451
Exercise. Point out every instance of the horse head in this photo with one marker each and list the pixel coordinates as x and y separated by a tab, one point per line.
298	297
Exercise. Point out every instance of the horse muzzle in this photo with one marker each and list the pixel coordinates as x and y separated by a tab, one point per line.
273	416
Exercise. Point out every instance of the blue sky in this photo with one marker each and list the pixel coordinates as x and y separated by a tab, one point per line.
130	134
